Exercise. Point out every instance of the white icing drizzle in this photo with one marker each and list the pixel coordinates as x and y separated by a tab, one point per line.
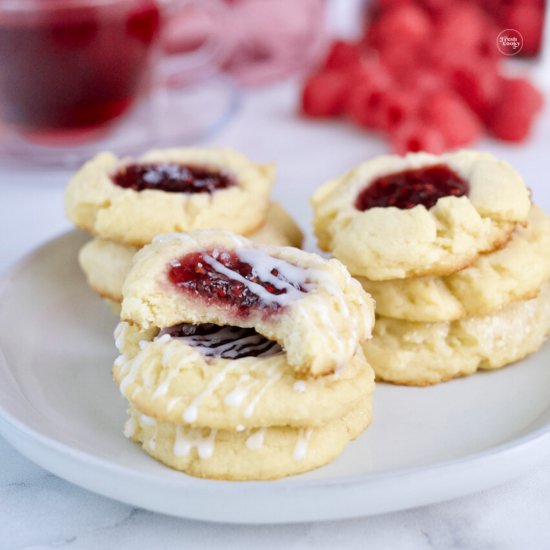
358	325
191	413
163	339
143	344
264	264
162	388
301	447
130	427
172	403
256	288
236	397
189	358
345	346
273	376
147	420
149	377
299	386
256	440
240	428
184	442
120	360
133	366
120	335
167	355
308	279
325	318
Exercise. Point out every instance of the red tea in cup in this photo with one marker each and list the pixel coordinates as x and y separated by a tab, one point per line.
72	66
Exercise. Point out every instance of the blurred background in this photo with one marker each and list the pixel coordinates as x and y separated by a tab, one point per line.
80	76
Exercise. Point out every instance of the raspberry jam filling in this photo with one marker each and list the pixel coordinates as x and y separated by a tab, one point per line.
172	178
410	188
242	281
227	342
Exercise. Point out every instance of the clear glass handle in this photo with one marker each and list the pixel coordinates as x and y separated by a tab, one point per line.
191	42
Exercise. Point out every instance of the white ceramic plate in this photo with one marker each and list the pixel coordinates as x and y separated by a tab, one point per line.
60	408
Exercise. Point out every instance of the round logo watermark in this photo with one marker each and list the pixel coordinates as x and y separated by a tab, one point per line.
509	42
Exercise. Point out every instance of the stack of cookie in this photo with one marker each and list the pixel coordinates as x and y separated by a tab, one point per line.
125	203
239	360
454	254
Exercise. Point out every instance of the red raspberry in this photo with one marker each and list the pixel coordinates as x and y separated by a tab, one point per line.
448	112
492	6
477	84
437	54
399	58
341	55
415	135
406	24
446	54
464	25
369	68
364	104
396	107
324	94
424	81
386	5
436	9
487	48
513	114
527	18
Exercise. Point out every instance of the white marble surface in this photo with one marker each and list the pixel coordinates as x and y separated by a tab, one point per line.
40	511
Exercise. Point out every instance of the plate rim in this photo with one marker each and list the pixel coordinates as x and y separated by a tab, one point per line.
12	427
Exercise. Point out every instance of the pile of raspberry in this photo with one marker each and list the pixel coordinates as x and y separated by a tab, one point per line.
428	75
